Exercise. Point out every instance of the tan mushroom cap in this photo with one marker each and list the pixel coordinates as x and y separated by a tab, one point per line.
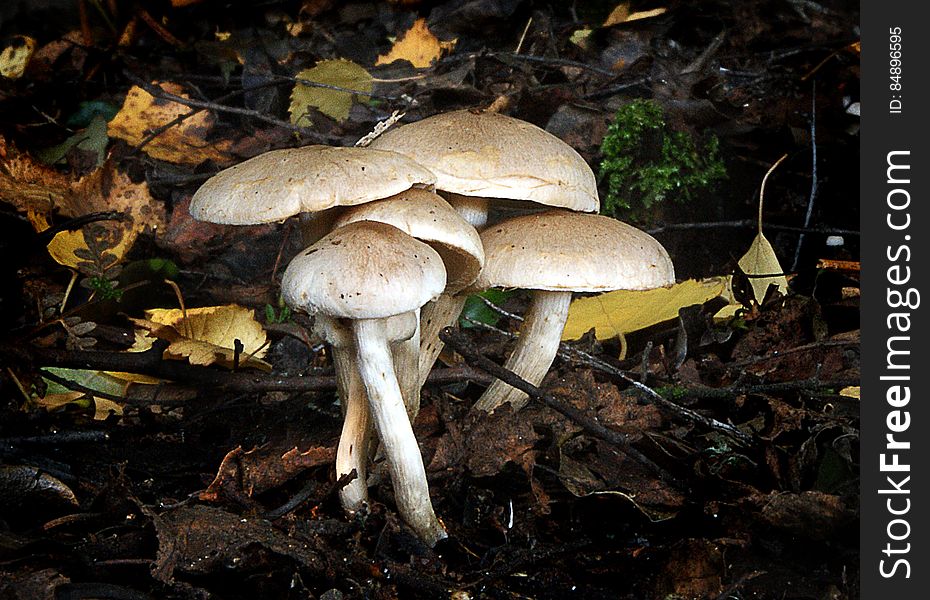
567	251
365	270
282	183
487	154
427	217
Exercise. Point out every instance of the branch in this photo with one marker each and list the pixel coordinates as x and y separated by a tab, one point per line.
152	363
457	341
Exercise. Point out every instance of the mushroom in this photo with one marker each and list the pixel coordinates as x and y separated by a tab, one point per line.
311	181
483	157
373	277
555	253
306	181
427	217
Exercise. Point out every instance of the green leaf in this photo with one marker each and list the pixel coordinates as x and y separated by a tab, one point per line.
92	139
476	310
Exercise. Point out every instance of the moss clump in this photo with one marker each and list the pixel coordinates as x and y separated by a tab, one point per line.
645	162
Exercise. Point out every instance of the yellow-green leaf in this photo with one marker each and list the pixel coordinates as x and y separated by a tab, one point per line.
620	312
761	260
332	103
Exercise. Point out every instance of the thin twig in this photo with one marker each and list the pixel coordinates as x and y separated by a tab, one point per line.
152	363
748	223
158	92
813	194
572	353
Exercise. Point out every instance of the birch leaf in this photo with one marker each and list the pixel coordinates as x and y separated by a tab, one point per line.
623	311
332	103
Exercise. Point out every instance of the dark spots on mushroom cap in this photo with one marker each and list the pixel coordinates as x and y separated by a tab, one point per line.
311	251
336	242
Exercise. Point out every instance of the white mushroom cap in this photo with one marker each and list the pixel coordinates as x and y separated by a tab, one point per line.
562	250
365	270
282	183
476	153
427	217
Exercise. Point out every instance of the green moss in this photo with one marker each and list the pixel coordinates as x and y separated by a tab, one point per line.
645	162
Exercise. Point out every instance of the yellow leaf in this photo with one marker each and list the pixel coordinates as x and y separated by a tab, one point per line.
761	260
182	143
63	245
418	45
623	311
103	408
332	103
15	57
622	14
850	392
207	336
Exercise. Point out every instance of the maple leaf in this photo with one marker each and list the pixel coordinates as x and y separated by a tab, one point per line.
205	336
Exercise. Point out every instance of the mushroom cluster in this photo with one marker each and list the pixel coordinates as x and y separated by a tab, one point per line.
397	237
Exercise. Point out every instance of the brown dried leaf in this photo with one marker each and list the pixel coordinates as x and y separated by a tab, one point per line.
253	472
183	143
417	45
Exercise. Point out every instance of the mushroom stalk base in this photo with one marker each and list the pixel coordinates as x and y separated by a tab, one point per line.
352	452
535	350
405	463
435	316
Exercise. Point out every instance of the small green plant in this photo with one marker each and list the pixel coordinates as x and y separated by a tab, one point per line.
645	162
281	314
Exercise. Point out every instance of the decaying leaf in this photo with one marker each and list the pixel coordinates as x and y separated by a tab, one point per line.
761	260
206	336
417	45
29	185
183	143
40	191
15	58
332	103
623	311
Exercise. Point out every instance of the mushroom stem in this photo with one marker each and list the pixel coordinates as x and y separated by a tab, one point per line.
473	209
435	316
352	451
405	463
314	225
355	440
406	362
536	348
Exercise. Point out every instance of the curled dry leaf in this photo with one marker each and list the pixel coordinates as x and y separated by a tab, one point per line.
183	143
761	264
206	336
